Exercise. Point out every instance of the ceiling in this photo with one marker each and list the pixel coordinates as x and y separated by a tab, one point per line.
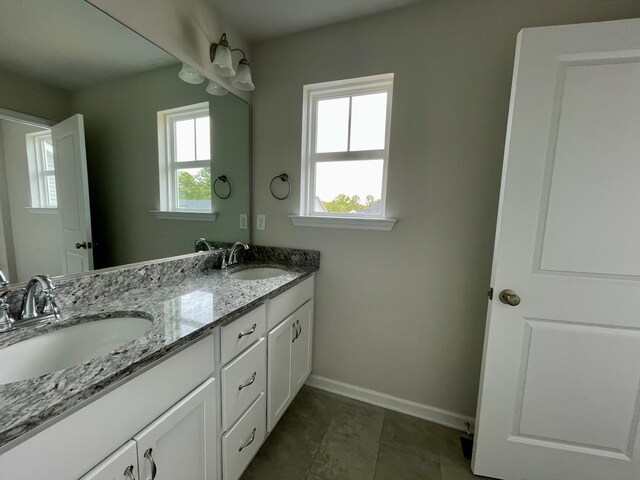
70	44
266	19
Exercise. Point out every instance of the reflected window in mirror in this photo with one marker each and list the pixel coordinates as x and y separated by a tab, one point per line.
184	142
41	170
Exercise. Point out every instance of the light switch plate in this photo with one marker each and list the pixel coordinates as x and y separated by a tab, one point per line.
243	221
261	222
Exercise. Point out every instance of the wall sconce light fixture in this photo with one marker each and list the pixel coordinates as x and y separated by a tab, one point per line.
189	75
220	54
216	89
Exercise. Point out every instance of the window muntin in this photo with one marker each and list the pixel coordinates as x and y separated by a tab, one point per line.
185	159
346	144
42	170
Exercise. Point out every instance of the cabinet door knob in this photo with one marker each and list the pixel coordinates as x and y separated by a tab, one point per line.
253	437
509	297
154	470
295	332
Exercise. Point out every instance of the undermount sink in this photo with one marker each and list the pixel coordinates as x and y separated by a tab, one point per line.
257	273
67	347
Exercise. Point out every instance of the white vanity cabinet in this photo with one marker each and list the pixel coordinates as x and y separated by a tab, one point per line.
290	345
199	414
182	442
179	444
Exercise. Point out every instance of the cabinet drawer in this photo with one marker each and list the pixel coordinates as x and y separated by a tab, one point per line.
243	380
287	302
243	441
241	333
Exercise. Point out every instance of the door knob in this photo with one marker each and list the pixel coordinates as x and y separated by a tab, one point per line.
509	297
84	245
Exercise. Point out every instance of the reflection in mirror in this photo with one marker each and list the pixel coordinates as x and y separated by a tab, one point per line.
107	156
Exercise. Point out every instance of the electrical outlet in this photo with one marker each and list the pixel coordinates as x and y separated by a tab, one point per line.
261	222
243	221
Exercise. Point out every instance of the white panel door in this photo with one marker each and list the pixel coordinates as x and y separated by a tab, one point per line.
279	394
122	465
181	444
72	186
301	349
560	395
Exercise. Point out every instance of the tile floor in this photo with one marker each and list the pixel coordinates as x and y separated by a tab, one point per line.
323	436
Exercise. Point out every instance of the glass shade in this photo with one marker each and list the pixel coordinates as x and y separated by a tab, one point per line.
222	64
216	89
189	75
243	77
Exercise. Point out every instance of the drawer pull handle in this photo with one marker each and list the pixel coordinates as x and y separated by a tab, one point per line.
253	379
154	469
128	472
248	332
253	437
297	329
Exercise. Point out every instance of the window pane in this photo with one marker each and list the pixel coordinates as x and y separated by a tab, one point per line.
203	143
349	187
368	121
52	196
194	188
185	141
47	148
333	125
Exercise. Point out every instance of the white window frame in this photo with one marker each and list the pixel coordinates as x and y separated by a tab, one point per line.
312	94
38	174
168	165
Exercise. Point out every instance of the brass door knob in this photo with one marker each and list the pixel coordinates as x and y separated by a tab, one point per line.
509	297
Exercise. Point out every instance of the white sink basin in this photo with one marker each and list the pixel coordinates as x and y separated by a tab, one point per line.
67	347
258	273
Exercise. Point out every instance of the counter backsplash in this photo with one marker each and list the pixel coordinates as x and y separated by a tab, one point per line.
85	288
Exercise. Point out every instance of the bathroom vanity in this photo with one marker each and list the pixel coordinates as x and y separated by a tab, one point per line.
194	397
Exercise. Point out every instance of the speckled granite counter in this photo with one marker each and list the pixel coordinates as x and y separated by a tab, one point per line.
186	297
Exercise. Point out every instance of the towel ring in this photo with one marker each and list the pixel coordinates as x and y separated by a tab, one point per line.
285	178
223	179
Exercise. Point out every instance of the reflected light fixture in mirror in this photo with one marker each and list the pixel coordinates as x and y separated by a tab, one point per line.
220	54
189	75
216	89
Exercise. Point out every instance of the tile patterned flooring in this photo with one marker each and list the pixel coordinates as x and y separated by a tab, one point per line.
323	436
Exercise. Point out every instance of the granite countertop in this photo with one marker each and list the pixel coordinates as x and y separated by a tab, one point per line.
184	308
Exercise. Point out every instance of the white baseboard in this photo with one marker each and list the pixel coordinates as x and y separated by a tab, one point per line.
433	414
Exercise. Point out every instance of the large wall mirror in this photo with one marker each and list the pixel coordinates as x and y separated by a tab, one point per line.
107	156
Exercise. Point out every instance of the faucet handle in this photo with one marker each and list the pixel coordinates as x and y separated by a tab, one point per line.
49	306
6	319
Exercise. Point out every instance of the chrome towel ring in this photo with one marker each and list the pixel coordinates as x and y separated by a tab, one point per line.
223	179
285	178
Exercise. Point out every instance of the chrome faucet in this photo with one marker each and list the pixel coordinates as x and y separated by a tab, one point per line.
29	309
233	254
202	245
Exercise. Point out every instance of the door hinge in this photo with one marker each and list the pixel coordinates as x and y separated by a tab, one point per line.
490	293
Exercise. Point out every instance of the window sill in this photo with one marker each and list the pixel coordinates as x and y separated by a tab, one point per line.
193	216
43	210
354	223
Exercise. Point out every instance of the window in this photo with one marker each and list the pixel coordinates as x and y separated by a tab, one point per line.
41	170
184	146
345	153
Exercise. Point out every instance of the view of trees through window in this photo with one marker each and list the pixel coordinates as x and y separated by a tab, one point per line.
194	188
352	204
